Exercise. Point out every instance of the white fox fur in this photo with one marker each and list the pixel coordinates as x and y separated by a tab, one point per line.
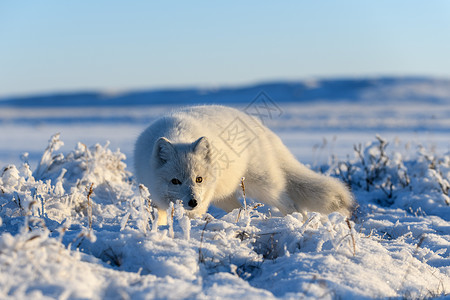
221	145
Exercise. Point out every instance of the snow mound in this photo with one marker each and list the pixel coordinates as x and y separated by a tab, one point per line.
79	227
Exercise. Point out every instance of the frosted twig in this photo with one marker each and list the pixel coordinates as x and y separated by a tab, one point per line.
243	193
90	190
351	234
170	212
245	200
53	144
201	258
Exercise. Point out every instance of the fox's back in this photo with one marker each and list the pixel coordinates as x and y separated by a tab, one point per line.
238	142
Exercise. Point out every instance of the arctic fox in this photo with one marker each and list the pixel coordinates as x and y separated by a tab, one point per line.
199	155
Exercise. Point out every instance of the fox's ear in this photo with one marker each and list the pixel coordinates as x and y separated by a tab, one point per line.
163	150
202	147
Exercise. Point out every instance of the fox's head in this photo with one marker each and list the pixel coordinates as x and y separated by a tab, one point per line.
184	171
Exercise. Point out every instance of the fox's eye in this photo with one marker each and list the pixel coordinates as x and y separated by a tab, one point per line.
175	181
198	179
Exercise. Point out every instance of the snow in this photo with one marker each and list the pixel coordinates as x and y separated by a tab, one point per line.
61	239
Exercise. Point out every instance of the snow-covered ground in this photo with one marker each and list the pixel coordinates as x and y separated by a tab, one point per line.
61	239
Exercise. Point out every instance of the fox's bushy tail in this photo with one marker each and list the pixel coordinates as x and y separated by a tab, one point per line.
316	192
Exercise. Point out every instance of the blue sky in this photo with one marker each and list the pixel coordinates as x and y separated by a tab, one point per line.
54	46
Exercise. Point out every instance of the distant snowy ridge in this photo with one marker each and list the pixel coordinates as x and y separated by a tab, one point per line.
383	89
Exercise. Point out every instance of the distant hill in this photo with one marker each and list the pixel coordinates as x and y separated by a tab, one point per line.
410	89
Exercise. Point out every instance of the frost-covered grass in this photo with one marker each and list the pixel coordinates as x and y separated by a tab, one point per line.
78	226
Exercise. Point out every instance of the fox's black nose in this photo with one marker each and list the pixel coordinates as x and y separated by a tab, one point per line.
192	203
